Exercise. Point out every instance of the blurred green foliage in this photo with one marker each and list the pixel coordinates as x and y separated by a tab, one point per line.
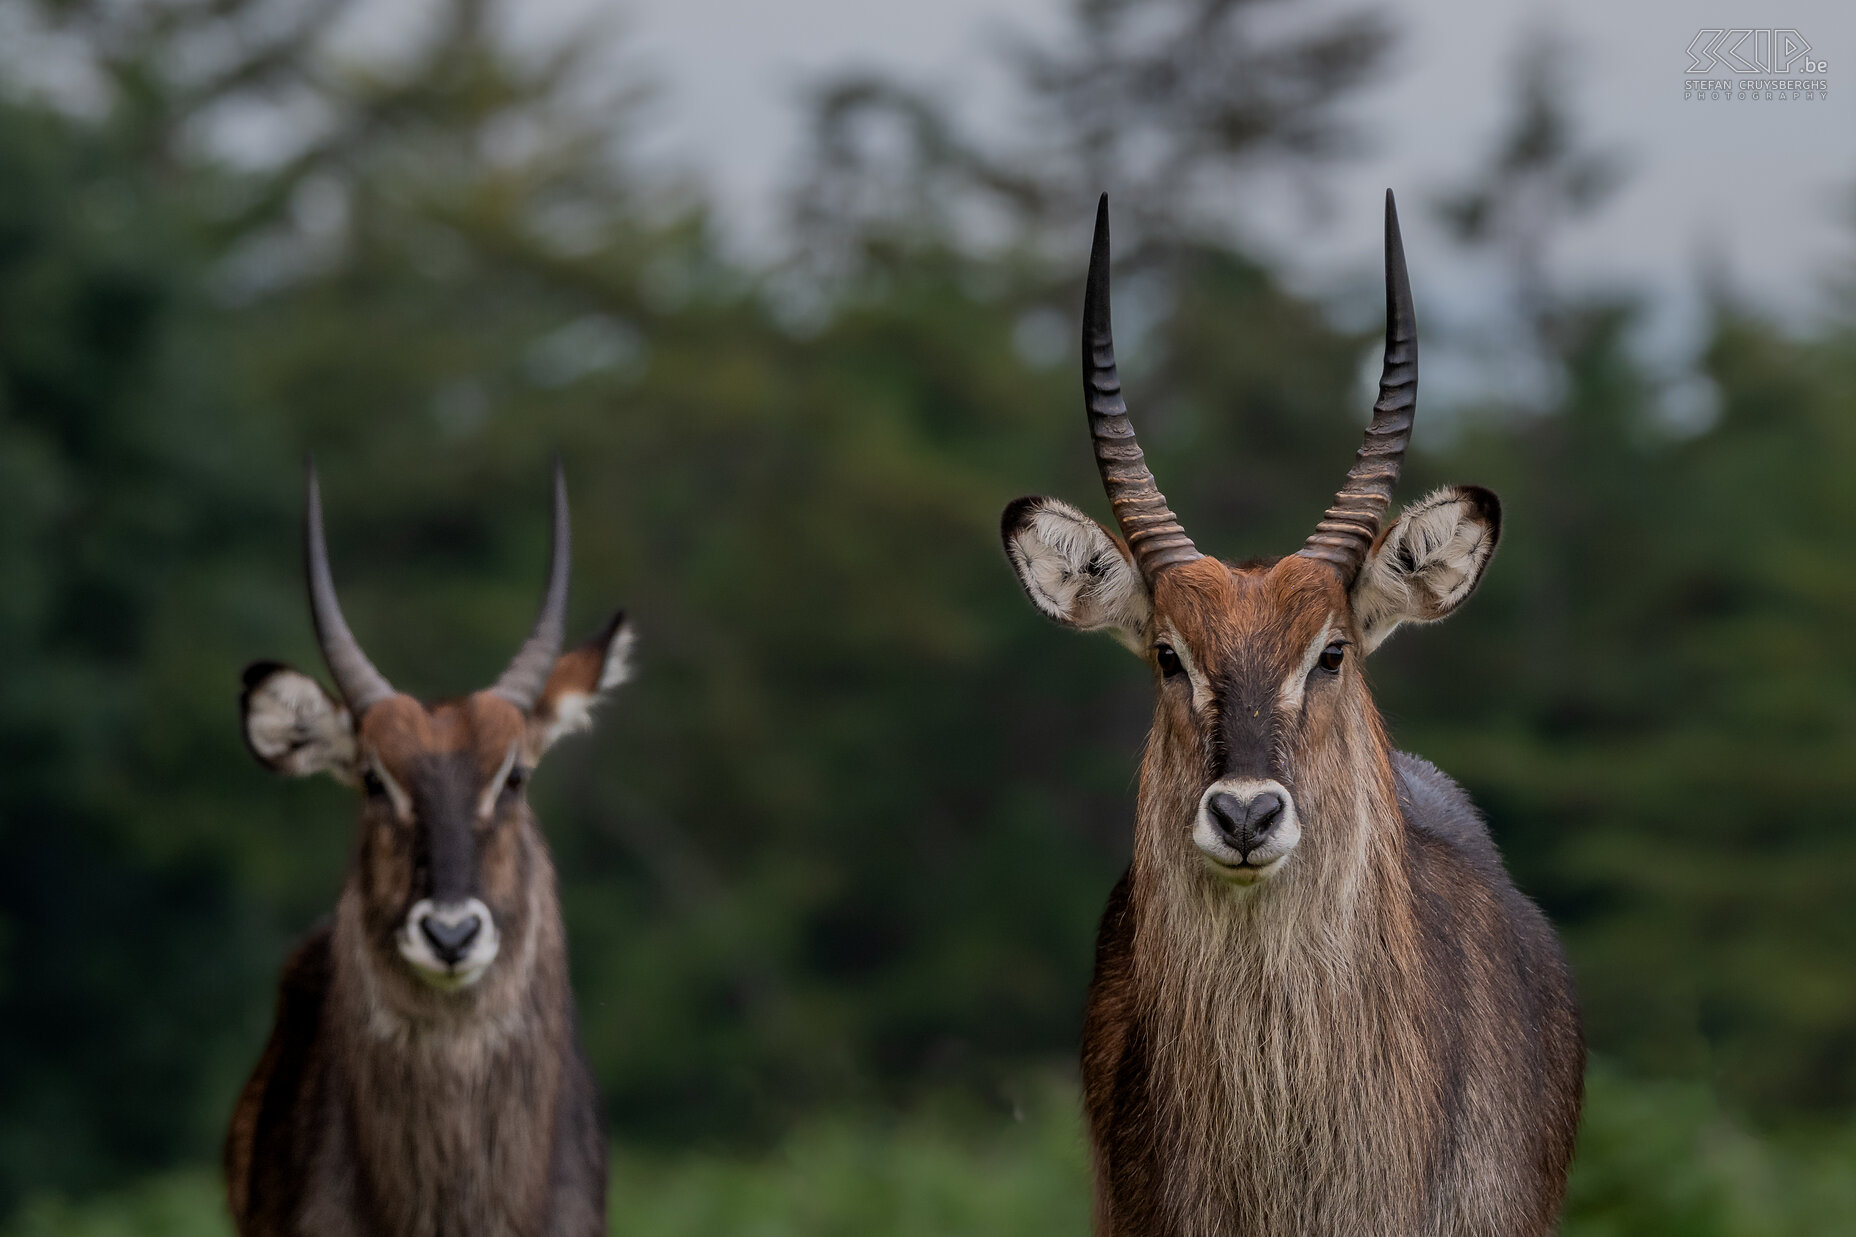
840	849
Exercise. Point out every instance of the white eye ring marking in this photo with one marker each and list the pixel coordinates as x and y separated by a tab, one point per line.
1168	635
1289	696
486	802
396	794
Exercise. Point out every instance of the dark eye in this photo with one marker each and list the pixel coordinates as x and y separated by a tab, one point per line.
1332	656
518	778
1168	659
371	783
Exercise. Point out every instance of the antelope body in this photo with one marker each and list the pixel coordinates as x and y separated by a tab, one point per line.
424	1076
1320	1006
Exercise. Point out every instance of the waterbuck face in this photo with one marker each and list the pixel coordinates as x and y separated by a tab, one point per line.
1257	666
447	848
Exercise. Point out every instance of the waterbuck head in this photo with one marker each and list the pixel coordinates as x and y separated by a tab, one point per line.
448	849
1264	728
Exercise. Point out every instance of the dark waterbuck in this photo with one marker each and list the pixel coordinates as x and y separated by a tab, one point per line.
424	1076
1320	1006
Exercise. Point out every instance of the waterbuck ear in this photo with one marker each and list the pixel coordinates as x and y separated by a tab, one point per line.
294	726
580	678
1075	572
1428	563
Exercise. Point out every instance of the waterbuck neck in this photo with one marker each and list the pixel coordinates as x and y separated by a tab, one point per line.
1282	1017
456	1090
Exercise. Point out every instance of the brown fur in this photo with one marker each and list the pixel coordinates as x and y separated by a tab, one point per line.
1380	1040
383	1106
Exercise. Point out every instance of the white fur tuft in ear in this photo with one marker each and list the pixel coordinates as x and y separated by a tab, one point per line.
293	726
1074	571
618	667
1428	563
580	679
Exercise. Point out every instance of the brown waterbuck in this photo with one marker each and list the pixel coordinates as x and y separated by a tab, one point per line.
424	1075
1320	1006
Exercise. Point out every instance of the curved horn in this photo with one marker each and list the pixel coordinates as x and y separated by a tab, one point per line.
1152	531
1348	530
360	684
528	673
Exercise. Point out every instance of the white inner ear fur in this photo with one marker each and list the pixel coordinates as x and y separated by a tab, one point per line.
618	667
572	712
1075	573
1426	565
297	729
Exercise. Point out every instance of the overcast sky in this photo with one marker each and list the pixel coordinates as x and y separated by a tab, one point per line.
1764	188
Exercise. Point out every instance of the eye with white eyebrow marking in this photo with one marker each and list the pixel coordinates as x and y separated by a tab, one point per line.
508	778
1173	657
379	784
1321	662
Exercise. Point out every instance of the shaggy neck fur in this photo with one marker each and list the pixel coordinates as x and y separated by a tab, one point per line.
454	1094
1284	1017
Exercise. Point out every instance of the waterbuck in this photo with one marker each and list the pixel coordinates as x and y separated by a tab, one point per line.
1320	1006
424	1075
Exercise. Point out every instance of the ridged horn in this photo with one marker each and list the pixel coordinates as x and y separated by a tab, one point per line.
1149	526
1346	533
360	684
528	672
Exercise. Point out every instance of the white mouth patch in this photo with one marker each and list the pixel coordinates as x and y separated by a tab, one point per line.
1266	857
449	923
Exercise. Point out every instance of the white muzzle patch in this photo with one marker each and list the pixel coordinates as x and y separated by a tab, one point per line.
449	946
1245	862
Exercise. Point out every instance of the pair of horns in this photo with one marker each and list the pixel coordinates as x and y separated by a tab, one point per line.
1347	531
362	686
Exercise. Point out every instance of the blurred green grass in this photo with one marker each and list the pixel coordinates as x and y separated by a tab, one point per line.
1655	1160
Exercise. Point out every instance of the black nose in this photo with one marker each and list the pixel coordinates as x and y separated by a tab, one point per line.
450	940
1245	824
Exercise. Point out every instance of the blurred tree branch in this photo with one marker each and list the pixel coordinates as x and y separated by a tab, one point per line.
1540	177
1165	103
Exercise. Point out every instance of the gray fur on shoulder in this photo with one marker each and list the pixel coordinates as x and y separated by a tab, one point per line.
1434	804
